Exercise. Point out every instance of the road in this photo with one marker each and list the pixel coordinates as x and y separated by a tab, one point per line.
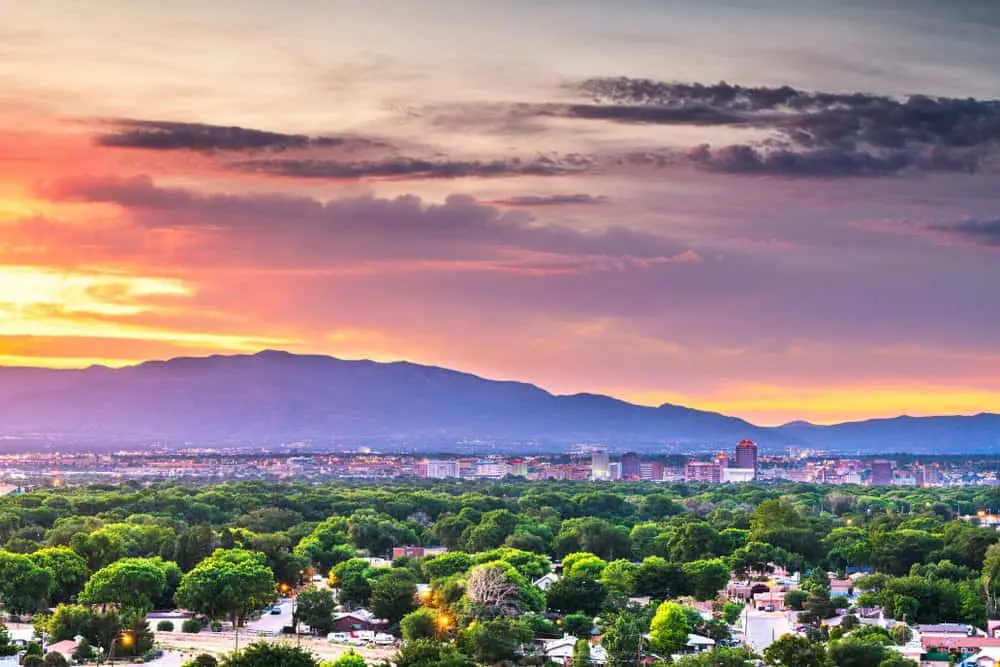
762	627
273	623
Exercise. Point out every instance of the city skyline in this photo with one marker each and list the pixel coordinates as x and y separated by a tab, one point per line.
524	193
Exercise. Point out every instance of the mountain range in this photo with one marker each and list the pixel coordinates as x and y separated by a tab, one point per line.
274	398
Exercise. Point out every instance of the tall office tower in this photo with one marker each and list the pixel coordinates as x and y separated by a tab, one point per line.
881	473
630	466
599	465
746	455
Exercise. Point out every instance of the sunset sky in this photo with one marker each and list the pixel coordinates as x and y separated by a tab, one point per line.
555	191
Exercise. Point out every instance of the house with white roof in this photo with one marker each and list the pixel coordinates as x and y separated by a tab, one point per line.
546	581
560	651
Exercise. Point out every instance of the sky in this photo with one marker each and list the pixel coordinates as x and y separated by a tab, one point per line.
776	209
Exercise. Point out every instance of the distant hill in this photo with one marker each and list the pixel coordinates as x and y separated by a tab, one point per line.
277	397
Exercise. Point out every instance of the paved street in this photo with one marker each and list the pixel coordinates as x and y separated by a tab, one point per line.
762	628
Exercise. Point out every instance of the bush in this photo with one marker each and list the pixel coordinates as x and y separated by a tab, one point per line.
84	652
31	660
216	626
202	660
191	625
55	659
796	600
165	626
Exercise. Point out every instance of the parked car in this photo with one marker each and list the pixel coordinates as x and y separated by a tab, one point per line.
340	637
383	639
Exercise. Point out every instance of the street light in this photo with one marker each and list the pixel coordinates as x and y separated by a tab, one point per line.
126	639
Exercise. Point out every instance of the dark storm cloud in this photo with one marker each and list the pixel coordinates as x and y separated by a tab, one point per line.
165	135
418	168
983	232
815	133
528	201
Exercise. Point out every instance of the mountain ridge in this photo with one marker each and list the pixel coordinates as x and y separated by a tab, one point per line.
275	397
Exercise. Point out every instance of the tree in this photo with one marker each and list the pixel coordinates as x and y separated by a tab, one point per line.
67	569
896	660
583	565
720	657
68	621
593	535
578	625
991	579
705	578
430	653
818	604
619	577
659	579
314	607
795	651
349	659
6	647
394	595
265	654
55	659
23	585
230	583
194	545
447	564
669	628
99	549
796	600
895	551
492	591
353	581
84	652
581	653
855	652
528	565
419	624
576	594
494	640
133	583
622	638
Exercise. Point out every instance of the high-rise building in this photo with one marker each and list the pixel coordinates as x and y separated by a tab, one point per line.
746	455
881	473
630	466
599	465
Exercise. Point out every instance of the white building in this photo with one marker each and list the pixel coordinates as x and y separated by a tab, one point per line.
441	469
599	468
560	651
735	475
546	581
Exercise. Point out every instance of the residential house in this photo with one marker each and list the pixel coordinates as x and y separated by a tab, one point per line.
560	651
770	601
66	647
841	587
358	620
544	582
987	657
